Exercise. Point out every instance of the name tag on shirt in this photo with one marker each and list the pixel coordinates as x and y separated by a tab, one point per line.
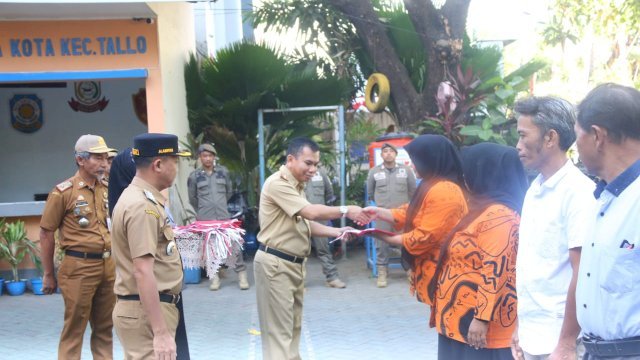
379	176
402	173
316	177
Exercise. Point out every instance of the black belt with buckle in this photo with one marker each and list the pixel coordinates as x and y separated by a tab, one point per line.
164	297
84	255
281	255
604	348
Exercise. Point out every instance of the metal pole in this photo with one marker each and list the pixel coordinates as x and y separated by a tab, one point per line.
261	145
343	176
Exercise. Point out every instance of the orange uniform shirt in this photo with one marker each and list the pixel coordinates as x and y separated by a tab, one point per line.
479	278
442	208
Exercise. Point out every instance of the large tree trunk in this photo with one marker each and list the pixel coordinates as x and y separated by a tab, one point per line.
407	102
441	32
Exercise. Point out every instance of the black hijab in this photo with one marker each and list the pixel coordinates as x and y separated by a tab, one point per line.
123	169
434	157
494	172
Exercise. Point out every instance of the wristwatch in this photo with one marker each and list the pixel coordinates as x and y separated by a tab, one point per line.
344	210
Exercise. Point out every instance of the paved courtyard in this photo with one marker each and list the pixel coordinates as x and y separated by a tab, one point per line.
359	322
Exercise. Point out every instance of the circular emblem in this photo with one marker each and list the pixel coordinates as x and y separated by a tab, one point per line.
83	222
88	92
26	113
171	248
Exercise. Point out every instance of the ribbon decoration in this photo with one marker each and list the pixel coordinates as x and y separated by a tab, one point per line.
209	244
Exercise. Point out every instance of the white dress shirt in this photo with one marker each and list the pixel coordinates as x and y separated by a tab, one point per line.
553	221
608	293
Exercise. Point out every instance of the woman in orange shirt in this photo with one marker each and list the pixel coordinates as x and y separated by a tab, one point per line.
474	285
436	207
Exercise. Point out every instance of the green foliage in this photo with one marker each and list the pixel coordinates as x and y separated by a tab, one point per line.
225	97
360	132
612	27
480	108
14	246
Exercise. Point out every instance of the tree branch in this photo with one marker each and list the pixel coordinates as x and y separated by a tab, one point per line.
409	105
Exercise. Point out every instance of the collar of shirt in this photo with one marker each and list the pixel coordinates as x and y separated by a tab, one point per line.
146	186
619	184
542	185
286	174
388	169
80	183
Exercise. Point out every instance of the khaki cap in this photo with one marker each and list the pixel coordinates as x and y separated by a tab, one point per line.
93	144
207	147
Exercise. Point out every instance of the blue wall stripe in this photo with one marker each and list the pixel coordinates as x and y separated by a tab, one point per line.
73	75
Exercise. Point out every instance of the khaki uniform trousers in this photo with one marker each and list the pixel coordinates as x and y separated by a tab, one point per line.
382	247
279	291
87	290
134	330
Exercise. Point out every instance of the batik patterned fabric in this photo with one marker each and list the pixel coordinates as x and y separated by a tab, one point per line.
478	278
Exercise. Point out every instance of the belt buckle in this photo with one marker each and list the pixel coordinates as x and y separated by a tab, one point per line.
176	298
106	254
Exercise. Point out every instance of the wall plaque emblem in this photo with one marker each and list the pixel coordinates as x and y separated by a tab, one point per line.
140	105
26	112
87	97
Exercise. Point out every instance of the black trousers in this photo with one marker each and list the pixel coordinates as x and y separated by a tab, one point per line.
181	334
449	349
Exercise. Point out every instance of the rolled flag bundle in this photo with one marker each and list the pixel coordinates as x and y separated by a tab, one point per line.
209	244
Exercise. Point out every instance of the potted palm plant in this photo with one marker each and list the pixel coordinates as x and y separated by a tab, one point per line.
14	246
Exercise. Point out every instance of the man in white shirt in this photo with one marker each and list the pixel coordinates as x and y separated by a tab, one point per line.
551	231
608	291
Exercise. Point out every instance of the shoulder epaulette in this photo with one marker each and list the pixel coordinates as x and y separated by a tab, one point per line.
150	197
64	186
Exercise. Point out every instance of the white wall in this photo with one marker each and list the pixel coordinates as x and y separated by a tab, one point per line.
34	163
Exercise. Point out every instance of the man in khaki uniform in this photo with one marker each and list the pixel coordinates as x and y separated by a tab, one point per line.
148	265
78	207
287	221
389	185
209	190
320	191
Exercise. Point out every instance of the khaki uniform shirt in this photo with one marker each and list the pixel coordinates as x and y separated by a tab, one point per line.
71	201
141	227
208	194
390	188
281	227
319	190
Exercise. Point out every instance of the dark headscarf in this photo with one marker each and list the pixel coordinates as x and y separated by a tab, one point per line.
434	157
494	172
123	169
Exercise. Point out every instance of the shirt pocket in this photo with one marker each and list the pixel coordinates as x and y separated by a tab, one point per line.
622	267
221	185
401	185
203	188
381	186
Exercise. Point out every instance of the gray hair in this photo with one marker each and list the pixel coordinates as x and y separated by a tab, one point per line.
551	113
81	154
